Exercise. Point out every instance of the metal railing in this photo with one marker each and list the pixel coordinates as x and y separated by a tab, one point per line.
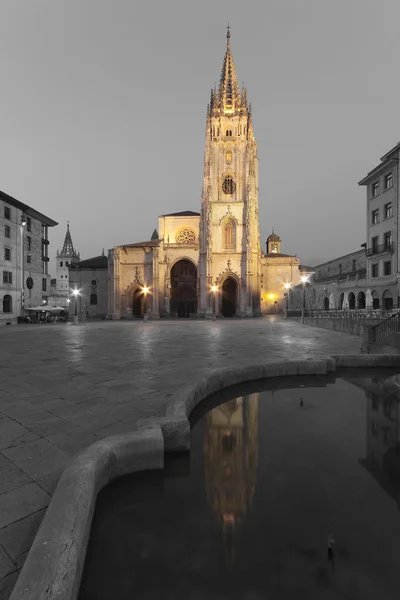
381	249
385	328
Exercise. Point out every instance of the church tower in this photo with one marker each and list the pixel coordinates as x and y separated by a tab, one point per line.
229	249
67	256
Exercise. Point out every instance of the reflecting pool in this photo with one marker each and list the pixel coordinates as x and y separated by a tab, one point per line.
275	468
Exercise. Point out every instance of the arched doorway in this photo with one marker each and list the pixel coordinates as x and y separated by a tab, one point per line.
229	295
361	300
387	300
183	289
341	298
137	303
352	301
326	303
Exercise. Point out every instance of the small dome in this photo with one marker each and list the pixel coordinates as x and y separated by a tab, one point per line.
273	237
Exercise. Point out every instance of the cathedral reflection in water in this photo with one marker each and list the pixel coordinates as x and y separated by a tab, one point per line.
230	458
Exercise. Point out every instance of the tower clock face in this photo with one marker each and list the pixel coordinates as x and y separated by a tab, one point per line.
229	186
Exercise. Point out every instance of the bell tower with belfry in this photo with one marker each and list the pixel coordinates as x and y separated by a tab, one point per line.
229	235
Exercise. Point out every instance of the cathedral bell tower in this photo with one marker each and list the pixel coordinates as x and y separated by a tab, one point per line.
230	249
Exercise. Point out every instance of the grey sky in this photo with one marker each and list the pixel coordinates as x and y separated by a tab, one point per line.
103	106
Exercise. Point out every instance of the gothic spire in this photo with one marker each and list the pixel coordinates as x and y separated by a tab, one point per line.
229	95
68	247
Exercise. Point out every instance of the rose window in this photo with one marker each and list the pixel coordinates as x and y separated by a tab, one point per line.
186	236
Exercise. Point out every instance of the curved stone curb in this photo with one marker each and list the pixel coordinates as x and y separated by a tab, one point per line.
54	565
367	360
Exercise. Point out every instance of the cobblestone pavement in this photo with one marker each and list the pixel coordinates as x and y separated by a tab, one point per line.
63	387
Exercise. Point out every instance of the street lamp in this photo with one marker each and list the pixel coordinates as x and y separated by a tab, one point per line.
75	293
23	224
304	279
287	288
145	291
214	289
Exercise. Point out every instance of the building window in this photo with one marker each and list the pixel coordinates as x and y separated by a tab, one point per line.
44	284
7	231
375	189
7	213
229	234
61	263
7	277
329	271
28	258
28	223
229	133
387	209
374	270
388	181
340	268
93	299
387	267
374	429
387	240
375	216
67	264
28	243
7	253
229	156
7	304
353	265
374	242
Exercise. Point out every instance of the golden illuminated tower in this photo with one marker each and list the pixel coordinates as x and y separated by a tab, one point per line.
230	461
229	228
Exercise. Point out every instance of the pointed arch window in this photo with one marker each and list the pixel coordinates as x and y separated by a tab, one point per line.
229	235
228	186
229	133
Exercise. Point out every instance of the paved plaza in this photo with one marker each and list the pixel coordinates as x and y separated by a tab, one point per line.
63	387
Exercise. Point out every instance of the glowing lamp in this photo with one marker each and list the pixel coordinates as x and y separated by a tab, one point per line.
214	288
304	278
75	293
271	296
145	290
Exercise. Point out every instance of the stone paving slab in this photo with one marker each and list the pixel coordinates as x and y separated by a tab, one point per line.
64	387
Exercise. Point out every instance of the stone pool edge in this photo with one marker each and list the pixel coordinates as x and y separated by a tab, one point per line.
54	565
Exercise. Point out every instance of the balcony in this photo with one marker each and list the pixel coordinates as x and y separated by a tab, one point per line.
387	248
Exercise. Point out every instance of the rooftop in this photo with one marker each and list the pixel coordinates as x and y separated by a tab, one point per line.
28	210
183	213
97	262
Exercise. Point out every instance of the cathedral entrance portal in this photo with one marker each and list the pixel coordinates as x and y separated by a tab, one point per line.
183	289
137	304
229	295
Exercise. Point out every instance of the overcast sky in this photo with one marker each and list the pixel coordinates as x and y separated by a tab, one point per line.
103	107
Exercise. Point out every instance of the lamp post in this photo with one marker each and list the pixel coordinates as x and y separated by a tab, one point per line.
214	289
304	279
145	292
287	288
75	293
23	223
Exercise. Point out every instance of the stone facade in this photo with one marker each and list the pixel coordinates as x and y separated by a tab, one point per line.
331	282
90	278
382	229
24	278
212	261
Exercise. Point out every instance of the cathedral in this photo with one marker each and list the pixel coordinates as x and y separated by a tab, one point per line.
211	262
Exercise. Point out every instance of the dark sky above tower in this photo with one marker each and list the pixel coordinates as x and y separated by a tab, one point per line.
103	108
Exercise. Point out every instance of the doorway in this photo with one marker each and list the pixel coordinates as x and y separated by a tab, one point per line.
183	289
137	304
229	295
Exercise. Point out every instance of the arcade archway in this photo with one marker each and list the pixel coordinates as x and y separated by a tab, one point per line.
183	289
229	298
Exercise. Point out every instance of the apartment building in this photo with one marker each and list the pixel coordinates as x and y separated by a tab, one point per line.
382	191
24	257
